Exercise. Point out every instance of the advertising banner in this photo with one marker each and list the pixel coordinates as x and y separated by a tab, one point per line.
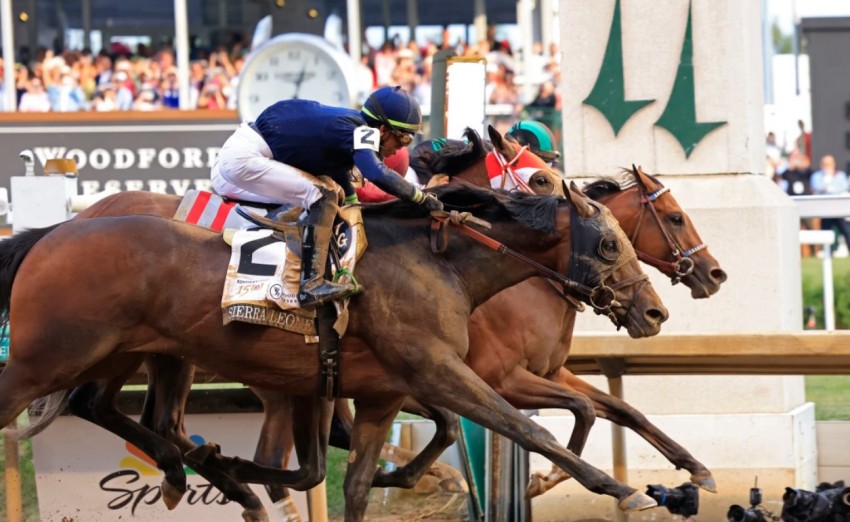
159	155
86	473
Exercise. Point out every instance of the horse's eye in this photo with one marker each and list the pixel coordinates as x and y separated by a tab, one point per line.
677	219
541	181
609	249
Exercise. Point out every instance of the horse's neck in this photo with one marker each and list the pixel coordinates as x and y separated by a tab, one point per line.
475	175
625	207
479	271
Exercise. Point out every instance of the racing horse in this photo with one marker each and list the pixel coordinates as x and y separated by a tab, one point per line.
658	228
160	292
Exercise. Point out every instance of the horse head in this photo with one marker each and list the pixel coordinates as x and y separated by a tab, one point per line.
602	258
661	232
510	166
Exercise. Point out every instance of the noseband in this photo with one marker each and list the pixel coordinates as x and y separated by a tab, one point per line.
682	265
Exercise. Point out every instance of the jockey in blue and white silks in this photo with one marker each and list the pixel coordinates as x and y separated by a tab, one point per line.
277	158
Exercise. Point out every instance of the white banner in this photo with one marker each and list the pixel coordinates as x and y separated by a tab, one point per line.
86	473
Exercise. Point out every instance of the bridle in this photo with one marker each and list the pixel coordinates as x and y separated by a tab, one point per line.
601	297
507	168
682	265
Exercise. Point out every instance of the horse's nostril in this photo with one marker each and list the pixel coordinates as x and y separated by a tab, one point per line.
656	315
718	275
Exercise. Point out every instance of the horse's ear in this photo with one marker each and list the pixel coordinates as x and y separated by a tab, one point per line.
640	178
578	200
498	141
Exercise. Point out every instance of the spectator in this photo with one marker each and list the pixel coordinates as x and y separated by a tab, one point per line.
67	95
105	100
123	94
830	181
546	96
35	99
804	140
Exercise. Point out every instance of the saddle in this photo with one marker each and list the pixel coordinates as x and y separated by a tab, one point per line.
263	275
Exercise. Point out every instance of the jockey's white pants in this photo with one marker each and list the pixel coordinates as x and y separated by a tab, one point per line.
246	170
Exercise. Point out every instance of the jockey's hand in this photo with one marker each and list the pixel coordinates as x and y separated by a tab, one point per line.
431	202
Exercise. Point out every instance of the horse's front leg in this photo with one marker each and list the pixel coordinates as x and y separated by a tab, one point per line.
169	384
372	423
525	390
619	412
311	430
441	379
414	466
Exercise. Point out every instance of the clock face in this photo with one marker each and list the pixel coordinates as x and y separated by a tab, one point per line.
293	66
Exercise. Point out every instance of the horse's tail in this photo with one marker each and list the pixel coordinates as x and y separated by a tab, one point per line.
43	411
13	250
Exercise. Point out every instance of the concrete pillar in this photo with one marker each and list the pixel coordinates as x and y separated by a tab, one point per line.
676	86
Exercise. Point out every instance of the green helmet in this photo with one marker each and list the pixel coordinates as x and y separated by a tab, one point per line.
538	138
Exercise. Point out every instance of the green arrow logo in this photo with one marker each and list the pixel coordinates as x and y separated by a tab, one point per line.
679	117
609	93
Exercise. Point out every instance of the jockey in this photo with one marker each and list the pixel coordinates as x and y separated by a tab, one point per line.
277	158
538	138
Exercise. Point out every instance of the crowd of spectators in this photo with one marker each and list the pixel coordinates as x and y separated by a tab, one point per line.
146	80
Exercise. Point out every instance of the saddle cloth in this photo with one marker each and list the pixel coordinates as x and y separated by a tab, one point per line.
263	276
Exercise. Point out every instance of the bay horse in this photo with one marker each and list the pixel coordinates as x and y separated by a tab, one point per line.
657	238
382	368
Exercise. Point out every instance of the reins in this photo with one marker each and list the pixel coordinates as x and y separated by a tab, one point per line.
683	264
602	297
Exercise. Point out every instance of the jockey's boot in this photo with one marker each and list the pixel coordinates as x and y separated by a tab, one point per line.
315	240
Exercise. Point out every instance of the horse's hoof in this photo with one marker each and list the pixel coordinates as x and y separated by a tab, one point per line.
454	485
200	454
535	486
171	495
637	501
255	515
287	510
704	480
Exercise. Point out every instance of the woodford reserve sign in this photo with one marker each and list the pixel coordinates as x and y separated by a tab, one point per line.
167	151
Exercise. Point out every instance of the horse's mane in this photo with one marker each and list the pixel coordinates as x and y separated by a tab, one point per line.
450	157
609	185
535	212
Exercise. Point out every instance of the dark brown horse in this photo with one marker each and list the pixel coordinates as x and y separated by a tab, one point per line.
652	218
91	321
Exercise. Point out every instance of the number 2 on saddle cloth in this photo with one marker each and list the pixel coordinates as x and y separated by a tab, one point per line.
264	271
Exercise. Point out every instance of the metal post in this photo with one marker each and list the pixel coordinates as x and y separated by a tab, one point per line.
828	298
480	20
86	16
614	370
412	18
439	67
14	504
181	47
352	11
547	21
385	18
525	9
317	503
10	97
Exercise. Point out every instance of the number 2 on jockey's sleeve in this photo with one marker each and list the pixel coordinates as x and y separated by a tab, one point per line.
367	138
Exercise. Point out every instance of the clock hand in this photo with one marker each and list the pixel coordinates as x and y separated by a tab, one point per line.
300	80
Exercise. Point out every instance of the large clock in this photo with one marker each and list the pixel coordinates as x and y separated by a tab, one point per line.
294	65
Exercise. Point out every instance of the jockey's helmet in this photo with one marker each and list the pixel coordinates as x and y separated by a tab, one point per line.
538	138
394	107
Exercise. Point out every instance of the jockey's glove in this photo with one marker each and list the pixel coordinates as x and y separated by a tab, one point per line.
427	200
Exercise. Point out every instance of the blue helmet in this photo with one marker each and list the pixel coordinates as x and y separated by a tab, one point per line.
538	137
394	107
